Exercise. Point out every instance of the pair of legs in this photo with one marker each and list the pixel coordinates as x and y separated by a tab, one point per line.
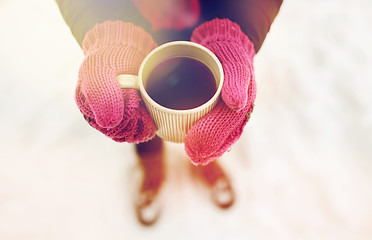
151	159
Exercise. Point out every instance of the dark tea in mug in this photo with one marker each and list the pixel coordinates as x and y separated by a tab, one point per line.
181	83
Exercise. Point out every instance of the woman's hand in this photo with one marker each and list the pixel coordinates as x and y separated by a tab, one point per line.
214	134
113	48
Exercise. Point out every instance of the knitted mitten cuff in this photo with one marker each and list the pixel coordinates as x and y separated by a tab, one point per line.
117	32
222	30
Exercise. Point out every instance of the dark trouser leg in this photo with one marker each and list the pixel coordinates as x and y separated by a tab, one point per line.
151	160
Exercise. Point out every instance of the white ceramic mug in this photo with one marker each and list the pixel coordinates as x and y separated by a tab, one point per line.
172	124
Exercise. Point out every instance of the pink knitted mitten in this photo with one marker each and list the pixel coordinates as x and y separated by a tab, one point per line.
214	134
113	48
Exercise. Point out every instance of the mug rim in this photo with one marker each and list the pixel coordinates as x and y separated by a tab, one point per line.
183	111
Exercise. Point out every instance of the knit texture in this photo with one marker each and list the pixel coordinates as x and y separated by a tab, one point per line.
113	48
235	52
214	134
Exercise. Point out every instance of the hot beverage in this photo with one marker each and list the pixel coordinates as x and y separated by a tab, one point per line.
181	83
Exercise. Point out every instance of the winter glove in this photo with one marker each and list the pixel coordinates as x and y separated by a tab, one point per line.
214	134
113	48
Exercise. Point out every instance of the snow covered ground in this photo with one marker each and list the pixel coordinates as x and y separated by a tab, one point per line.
302	169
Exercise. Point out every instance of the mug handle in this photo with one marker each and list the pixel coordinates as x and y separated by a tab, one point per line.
128	81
